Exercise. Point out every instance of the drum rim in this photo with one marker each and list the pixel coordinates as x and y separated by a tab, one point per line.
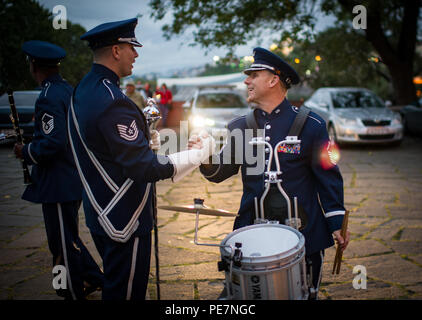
262	268
258	261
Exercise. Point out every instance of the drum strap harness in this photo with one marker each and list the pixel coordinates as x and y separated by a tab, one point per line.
295	129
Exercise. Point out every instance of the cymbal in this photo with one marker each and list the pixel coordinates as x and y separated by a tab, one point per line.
202	210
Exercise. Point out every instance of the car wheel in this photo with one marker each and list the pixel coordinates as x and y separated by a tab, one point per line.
404	124
332	133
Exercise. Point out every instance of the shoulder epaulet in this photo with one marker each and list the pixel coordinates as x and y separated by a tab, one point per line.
114	91
296	109
235	121
45	89
299	121
251	122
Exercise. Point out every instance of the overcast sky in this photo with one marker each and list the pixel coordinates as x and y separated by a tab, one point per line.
157	54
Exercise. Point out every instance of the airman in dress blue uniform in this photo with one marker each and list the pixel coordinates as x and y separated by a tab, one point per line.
319	190
112	149
56	184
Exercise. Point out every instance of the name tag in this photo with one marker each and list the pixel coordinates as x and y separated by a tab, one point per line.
289	148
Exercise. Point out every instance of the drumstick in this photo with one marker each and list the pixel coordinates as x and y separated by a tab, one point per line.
337	259
339	252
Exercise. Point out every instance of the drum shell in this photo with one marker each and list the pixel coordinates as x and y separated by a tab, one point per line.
276	277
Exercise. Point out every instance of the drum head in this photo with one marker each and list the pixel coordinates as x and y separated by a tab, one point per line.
263	240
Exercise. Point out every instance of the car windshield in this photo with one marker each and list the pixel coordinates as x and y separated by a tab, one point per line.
21	99
220	100
356	99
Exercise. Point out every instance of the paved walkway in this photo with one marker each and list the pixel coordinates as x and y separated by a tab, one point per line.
382	191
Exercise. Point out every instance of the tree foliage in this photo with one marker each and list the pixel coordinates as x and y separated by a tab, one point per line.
392	29
227	23
23	20
345	59
78	59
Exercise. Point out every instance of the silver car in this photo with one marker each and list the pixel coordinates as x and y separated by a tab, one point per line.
213	107
356	115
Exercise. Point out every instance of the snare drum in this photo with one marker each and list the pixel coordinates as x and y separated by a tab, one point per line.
272	263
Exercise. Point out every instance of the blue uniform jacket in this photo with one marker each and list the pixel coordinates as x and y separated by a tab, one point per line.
54	175
319	190
111	147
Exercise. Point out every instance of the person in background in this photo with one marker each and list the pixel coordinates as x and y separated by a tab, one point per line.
134	95
56	184
165	100
147	90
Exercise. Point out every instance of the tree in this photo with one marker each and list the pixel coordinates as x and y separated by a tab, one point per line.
78	59
19	21
23	20
338	57
227	23
392	30
392	27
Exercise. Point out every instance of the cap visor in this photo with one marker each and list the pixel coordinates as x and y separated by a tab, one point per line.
134	43
250	70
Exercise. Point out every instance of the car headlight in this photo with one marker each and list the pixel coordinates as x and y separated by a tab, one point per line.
198	121
209	122
397	120
348	122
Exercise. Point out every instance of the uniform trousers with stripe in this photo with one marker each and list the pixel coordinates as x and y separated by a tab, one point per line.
126	266
314	262
62	227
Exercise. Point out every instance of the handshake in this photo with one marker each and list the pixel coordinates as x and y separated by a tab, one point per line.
199	149
202	142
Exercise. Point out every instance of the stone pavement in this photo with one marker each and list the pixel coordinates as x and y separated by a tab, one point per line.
382	186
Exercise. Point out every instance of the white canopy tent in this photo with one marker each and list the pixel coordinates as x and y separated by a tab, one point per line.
184	87
235	79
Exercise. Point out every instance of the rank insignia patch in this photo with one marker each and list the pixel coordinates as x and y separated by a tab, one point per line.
289	148
47	123
128	133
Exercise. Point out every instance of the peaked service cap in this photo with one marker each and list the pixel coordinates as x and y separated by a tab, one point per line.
43	52
111	33
266	60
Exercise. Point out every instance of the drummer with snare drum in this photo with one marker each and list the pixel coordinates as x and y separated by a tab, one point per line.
306	175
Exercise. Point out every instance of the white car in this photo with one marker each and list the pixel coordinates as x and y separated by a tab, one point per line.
356	115
213	107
